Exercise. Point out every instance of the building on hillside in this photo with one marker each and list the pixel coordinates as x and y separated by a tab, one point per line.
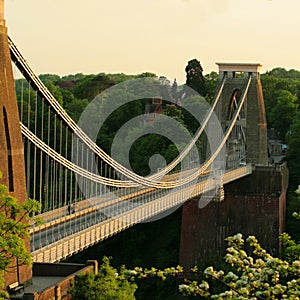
151	110
276	148
156	107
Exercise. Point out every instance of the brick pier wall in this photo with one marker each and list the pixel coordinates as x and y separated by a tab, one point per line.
254	205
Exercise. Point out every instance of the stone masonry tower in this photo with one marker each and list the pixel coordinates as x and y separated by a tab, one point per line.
11	148
254	109
252	205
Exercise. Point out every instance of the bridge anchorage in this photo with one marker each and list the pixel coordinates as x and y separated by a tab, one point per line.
87	196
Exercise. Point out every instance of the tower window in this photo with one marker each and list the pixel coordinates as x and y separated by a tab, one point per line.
9	153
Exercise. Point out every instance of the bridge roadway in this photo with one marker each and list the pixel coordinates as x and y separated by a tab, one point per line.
56	240
77	222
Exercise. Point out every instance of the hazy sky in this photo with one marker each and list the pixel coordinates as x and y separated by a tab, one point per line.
159	36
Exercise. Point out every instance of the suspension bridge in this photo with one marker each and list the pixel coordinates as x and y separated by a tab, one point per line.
52	176
90	197
87	195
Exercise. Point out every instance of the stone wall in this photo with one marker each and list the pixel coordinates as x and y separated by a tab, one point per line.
253	205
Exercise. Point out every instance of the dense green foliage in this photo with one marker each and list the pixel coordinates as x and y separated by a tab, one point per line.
14	225
281	94
108	284
75	92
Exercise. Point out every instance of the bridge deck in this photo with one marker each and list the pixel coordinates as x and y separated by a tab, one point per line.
131	213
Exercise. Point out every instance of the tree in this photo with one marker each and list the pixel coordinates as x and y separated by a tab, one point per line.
293	152
292	224
53	78
14	224
55	91
73	106
194	77
92	85
174	112
284	112
211	82
146	74
274	83
108	284
198	106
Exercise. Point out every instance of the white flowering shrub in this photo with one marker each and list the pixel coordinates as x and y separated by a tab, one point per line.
257	275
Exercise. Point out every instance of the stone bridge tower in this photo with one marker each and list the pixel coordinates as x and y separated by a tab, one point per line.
254	204
253	117
11	148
